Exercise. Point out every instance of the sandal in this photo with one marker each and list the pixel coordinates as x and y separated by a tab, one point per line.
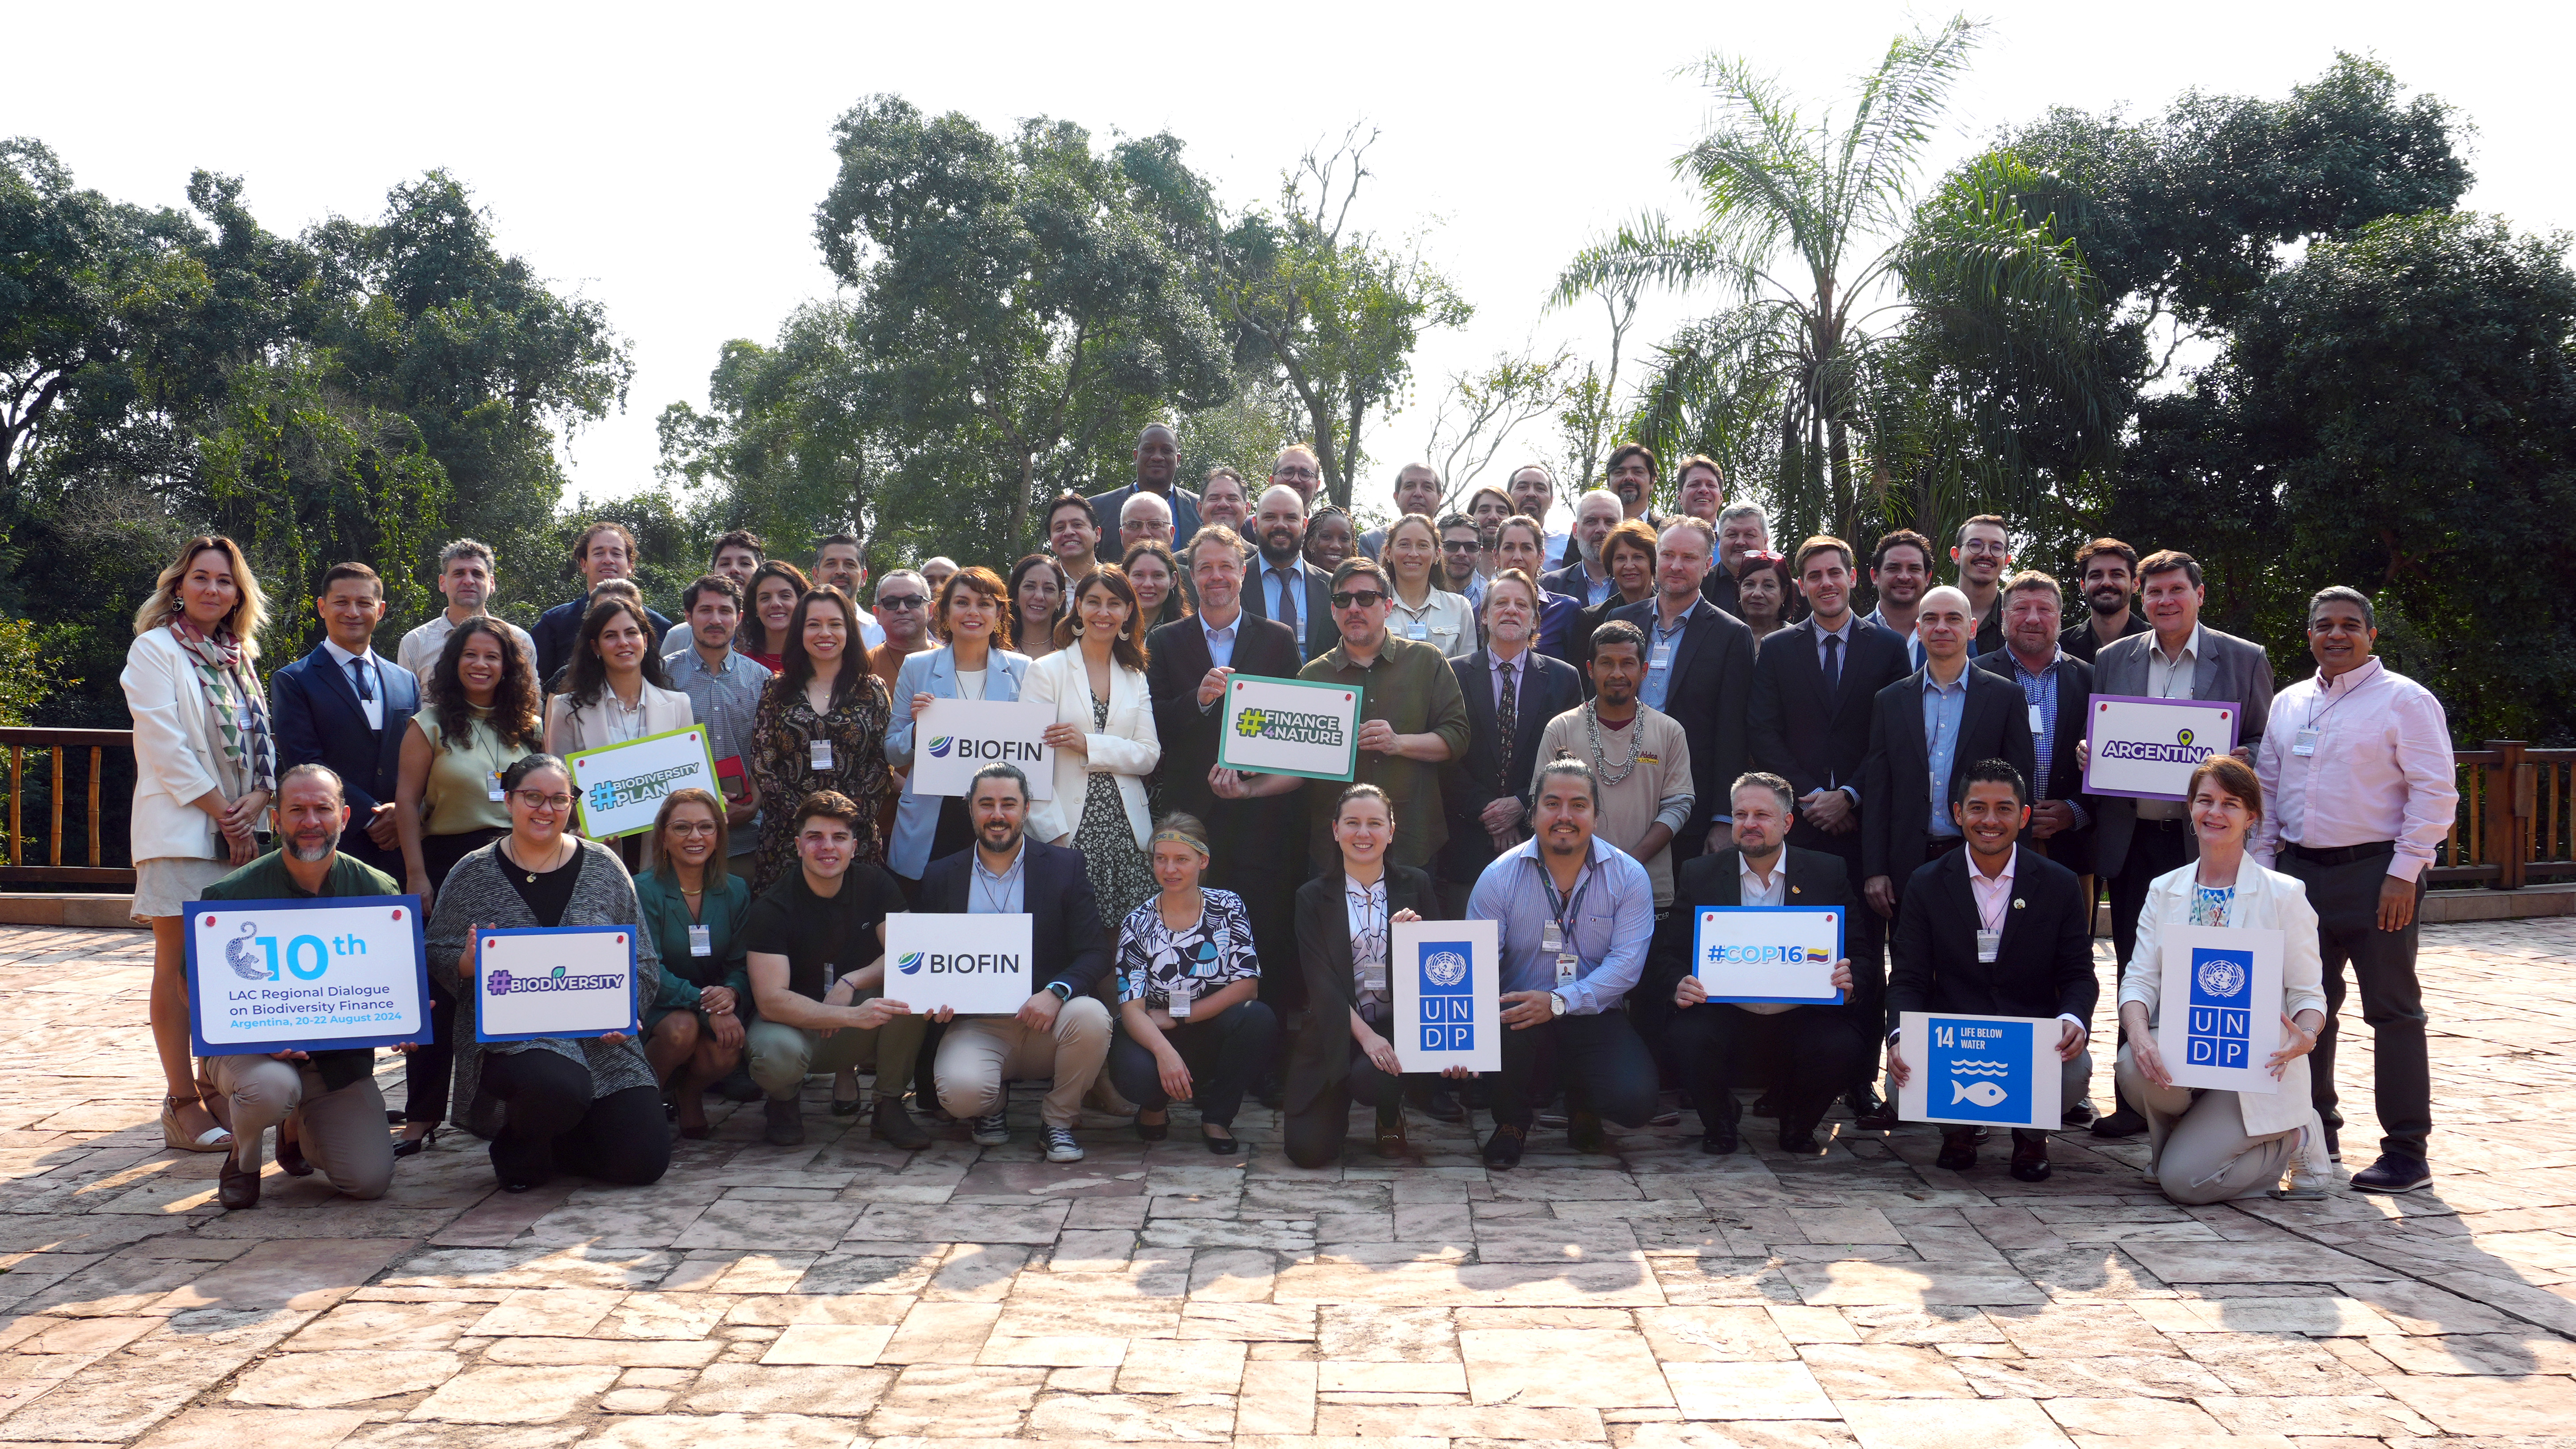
217	1138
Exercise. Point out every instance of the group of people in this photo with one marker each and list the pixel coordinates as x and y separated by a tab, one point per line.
1583	736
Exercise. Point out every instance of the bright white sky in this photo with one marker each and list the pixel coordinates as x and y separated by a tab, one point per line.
668	162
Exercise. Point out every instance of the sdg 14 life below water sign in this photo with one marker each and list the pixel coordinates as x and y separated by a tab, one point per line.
305	975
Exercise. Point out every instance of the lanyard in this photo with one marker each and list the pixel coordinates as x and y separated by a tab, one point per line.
996	890
2327	708
1565	908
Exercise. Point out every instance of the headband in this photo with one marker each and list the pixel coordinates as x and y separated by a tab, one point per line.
1177	838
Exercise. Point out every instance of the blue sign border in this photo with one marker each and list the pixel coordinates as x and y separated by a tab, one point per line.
419	967
1842	925
634	1021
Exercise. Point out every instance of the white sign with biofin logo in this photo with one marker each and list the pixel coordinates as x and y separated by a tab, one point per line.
979	965
953	738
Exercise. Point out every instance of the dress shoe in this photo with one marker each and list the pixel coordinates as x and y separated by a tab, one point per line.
1958	1151
1391	1141
237	1186
1583	1133
2030	1160
2334	1143
1881	1117
1439	1102
2079	1115
2392	1173
1801	1142
737	1085
1762	1106
290	1157
1863	1101
2126	1122
895	1127
1503	1149
786	1124
1719	1141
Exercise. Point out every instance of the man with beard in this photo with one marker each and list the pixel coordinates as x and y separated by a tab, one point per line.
604	551
1461	547
1631	476
1585	579
1158	460
1741	530
1417	490
1900	569
2107	572
1533	490
325	1104
1283	586
1488	507
840	563
1699	670
1983	552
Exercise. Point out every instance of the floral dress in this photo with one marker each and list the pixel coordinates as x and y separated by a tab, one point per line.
1120	874
782	766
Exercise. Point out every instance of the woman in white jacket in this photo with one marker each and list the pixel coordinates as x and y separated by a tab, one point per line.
205	764
1104	739
614	692
2206	1145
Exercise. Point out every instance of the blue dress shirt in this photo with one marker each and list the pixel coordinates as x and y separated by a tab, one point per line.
1613	925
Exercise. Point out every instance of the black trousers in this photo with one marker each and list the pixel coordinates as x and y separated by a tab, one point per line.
2392	1001
1598	1059
1314	1137
2153	850
1819	1051
555	1125
1225	1054
427	1071
1865	943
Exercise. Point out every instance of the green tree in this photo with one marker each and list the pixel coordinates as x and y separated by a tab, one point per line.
782	449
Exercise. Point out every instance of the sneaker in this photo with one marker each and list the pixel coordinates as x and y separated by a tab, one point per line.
786	1123
1503	1149
2392	1173
2304	1184
990	1130
1060	1146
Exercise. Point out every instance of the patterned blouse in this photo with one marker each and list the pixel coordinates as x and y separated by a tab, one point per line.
1213	951
782	766
2209	904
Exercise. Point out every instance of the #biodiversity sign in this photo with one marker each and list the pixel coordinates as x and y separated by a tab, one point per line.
322	974
977	965
619	788
953	738
1278	726
1995	1071
554	981
2146	749
1448	988
1769	953
2218	1017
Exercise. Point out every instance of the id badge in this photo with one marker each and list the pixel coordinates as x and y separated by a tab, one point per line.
701	941
1373	978
1663	657
1180	993
2305	744
1551	938
1988	943
492	785
2037	729
1567	963
1416	629
819	754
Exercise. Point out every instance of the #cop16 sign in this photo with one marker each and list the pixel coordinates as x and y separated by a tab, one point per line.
1448	995
619	788
305	975
1768	953
1996	1071
978	965
953	738
2218	1014
1289	727
2146	749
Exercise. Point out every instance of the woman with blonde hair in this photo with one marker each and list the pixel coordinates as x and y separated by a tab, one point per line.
1188	1025
1104	739
205	765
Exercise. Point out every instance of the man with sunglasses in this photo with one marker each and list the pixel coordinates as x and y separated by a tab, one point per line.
1462	548
1412	720
903	611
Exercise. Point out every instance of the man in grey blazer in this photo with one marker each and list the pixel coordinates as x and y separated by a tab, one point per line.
2138	840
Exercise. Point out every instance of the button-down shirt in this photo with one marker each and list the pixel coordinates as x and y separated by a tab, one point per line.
2170	679
419	649
1220	642
725	700
2382	768
1994	901
2039	691
1913	645
372	697
1595	589
988	894
1754	890
1944	705
1509	674
1612	925
1278	582
1444	621
1661	641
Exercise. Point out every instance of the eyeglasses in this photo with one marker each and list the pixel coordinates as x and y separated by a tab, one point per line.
535	801
1984	545
1360	599
902	601
693	827
1296	475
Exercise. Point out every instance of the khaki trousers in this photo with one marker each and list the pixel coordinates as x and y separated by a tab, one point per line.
343	1133
980	1053
2197	1145
781	1056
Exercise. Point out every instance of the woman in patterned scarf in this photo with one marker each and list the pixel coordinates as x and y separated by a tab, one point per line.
205	765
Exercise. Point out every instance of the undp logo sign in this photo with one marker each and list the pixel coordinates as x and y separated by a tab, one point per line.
1448	996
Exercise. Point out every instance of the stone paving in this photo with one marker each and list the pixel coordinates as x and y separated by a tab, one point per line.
840	1294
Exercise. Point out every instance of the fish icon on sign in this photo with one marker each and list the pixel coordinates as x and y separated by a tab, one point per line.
1984	1094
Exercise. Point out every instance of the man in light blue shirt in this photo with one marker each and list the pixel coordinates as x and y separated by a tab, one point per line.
1575	917
724	688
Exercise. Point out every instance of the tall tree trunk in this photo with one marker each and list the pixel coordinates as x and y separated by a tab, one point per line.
1020	500
1838	435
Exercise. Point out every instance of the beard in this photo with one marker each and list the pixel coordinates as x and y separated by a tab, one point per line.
1591	556
2107	602
1277	554
313	853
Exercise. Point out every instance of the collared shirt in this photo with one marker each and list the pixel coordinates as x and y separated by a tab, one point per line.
1944	706
725	700
1662	641
1284	582
1509	674
1842	651
1993	893
1371	932
988	894
1595	589
2039	691
1474	593
419	649
371	698
1913	646
1444	621
2381	770
1611	926
1220	642
1753	890
2171	679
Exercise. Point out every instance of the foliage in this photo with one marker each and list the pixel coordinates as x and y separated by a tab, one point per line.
1484	408
28	671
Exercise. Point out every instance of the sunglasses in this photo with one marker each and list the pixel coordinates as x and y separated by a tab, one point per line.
902	601
1360	599
1454	545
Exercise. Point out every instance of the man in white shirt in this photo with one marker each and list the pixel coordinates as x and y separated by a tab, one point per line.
1900	570
466	577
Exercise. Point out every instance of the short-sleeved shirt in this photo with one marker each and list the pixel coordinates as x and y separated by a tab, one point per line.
823	937
1214	950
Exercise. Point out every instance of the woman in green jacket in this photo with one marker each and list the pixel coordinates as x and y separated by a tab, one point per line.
694	908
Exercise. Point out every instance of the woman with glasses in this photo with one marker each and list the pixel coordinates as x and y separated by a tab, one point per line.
1187	972
769	612
1104	739
974	614
1420	611
1037	602
587	1105
822	726
694	907
1155	573
1329	539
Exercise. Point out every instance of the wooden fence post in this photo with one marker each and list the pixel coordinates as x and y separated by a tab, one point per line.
2509	802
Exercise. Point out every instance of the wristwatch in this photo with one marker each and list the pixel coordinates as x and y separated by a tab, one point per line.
1062	991
1555	1004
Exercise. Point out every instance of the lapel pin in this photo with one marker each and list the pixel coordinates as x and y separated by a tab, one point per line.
2016	903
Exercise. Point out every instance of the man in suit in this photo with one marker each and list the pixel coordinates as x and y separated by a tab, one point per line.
1518	544
1820	1049
1742	529
1512	692
345	707
604	551
1995	930
1699	670
1062	1030
1585	578
2137	840
1283	586
1158	463
1814	686
1924	732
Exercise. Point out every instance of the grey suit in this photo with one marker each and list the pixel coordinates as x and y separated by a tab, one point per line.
2228	668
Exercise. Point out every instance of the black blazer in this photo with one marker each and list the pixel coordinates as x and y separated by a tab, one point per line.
1321	632
2043	966
1571	582
1712	686
1896	780
1578	645
1176	659
1812	740
1548	688
1321	1061
1722	589
318	720
1104	516
1816	879
2072	849
558	629
1065	934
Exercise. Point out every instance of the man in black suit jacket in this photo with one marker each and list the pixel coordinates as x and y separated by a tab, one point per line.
1158	458
1819	1049
1281	563
1707	682
1985	721
1995	930
345	707
1484	790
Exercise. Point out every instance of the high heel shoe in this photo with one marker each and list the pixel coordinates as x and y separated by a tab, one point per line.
415	1146
213	1139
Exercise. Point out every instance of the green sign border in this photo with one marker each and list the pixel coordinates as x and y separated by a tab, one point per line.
581	797
1225	726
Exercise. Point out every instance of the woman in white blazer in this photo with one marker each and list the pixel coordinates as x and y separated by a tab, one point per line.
610	694
1104	739
2206	1145
205	764
973	614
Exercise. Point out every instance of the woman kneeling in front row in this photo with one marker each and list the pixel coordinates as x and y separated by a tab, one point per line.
1188	1025
588	1105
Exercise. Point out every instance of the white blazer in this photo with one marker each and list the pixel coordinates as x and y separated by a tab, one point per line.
1129	750
570	730
176	745
2265	900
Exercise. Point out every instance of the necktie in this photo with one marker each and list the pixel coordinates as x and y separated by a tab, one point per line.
1833	665
1507	722
362	680
1285	609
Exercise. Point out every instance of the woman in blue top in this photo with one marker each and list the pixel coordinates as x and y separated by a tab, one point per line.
974	616
694	907
1188	1024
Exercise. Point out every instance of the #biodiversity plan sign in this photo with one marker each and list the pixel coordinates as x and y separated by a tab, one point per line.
978	965
1448	990
1769	953
554	981
2219	1017
1277	726
619	788
323	974
2146	749
1995	1071
953	738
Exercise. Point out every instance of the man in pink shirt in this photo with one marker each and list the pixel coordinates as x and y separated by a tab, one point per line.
2357	791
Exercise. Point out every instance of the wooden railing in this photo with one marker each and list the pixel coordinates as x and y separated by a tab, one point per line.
49	856
2517	819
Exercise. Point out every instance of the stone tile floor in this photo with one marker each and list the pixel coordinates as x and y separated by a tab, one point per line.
839	1294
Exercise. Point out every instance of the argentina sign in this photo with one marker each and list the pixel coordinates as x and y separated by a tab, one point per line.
1290	727
953	738
2146	749
979	965
619	788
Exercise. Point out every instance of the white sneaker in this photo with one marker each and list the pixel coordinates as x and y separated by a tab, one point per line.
1060	1146
2304	1184
990	1130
